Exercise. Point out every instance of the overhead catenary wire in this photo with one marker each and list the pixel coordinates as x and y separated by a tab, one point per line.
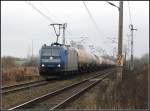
92	19
44	15
56	18
53	16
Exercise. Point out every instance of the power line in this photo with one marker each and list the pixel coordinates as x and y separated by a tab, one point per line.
45	16
53	15
129	13
49	12
91	17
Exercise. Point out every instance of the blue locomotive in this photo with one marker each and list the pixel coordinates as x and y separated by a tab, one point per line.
57	59
60	59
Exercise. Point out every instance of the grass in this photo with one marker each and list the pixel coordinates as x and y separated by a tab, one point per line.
132	93
15	75
23	96
20	62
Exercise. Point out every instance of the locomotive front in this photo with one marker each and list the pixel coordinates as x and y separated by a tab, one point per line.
51	60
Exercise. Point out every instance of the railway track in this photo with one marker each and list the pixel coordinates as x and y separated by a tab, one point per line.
23	86
13	88
60	97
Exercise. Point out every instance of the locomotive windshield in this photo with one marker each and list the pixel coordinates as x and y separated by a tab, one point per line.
50	51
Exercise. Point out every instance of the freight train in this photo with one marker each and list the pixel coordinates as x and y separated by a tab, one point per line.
58	60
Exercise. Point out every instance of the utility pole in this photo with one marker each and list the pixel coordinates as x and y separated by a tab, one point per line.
120	41
114	52
29	52
132	62
64	27
128	50
32	49
125	54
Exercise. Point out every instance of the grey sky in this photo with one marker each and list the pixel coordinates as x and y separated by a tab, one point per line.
20	24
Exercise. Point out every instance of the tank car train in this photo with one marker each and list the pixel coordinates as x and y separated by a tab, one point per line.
57	59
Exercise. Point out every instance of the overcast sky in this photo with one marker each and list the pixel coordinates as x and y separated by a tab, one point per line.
21	24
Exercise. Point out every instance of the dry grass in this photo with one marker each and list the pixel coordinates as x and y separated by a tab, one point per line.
18	74
25	95
132	93
134	90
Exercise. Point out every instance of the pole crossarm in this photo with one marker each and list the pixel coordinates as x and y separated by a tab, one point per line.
113	5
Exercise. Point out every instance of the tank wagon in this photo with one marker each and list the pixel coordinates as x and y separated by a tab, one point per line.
57	59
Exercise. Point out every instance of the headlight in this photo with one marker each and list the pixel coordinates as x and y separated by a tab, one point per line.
42	65
58	65
51	58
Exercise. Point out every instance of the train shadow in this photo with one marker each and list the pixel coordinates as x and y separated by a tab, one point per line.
66	76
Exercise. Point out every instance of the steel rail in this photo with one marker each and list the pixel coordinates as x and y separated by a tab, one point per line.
74	96
51	94
23	86
10	89
17	85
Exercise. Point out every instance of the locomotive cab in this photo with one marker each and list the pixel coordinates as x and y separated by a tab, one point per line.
52	59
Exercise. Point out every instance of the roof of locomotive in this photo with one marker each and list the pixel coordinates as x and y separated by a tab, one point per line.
57	45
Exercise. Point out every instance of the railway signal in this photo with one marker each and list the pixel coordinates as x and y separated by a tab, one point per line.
132	63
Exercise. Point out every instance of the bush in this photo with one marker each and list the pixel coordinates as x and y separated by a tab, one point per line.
31	62
8	62
17	74
139	62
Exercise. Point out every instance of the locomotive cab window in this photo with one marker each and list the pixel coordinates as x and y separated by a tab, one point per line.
51	52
